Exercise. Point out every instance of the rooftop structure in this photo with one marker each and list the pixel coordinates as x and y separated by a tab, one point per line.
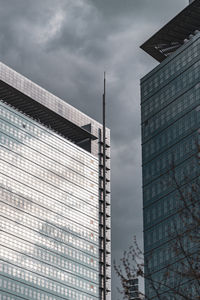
175	33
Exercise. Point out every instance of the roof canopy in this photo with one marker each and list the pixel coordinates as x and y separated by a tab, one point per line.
170	37
41	113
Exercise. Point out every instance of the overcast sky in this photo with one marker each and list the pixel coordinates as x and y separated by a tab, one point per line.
64	46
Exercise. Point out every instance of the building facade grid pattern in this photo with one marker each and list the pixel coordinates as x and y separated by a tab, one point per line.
170	108
49	213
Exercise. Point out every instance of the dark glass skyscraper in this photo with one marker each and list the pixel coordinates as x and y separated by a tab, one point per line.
170	105
54	220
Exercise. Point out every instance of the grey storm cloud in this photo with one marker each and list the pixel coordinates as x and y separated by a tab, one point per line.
65	46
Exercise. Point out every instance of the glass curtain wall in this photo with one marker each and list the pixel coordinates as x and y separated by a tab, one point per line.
170	132
49	213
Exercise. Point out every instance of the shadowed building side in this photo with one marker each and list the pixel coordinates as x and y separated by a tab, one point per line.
170	100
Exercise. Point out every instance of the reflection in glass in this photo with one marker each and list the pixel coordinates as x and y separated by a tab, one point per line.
49	213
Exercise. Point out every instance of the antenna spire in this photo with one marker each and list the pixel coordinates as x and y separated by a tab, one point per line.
104	186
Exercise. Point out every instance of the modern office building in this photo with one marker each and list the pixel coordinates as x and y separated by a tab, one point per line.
55	197
170	109
132	289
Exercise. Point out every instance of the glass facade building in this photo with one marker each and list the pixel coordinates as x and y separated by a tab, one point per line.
51	211
170	112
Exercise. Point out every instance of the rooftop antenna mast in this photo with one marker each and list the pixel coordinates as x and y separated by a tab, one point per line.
104	182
